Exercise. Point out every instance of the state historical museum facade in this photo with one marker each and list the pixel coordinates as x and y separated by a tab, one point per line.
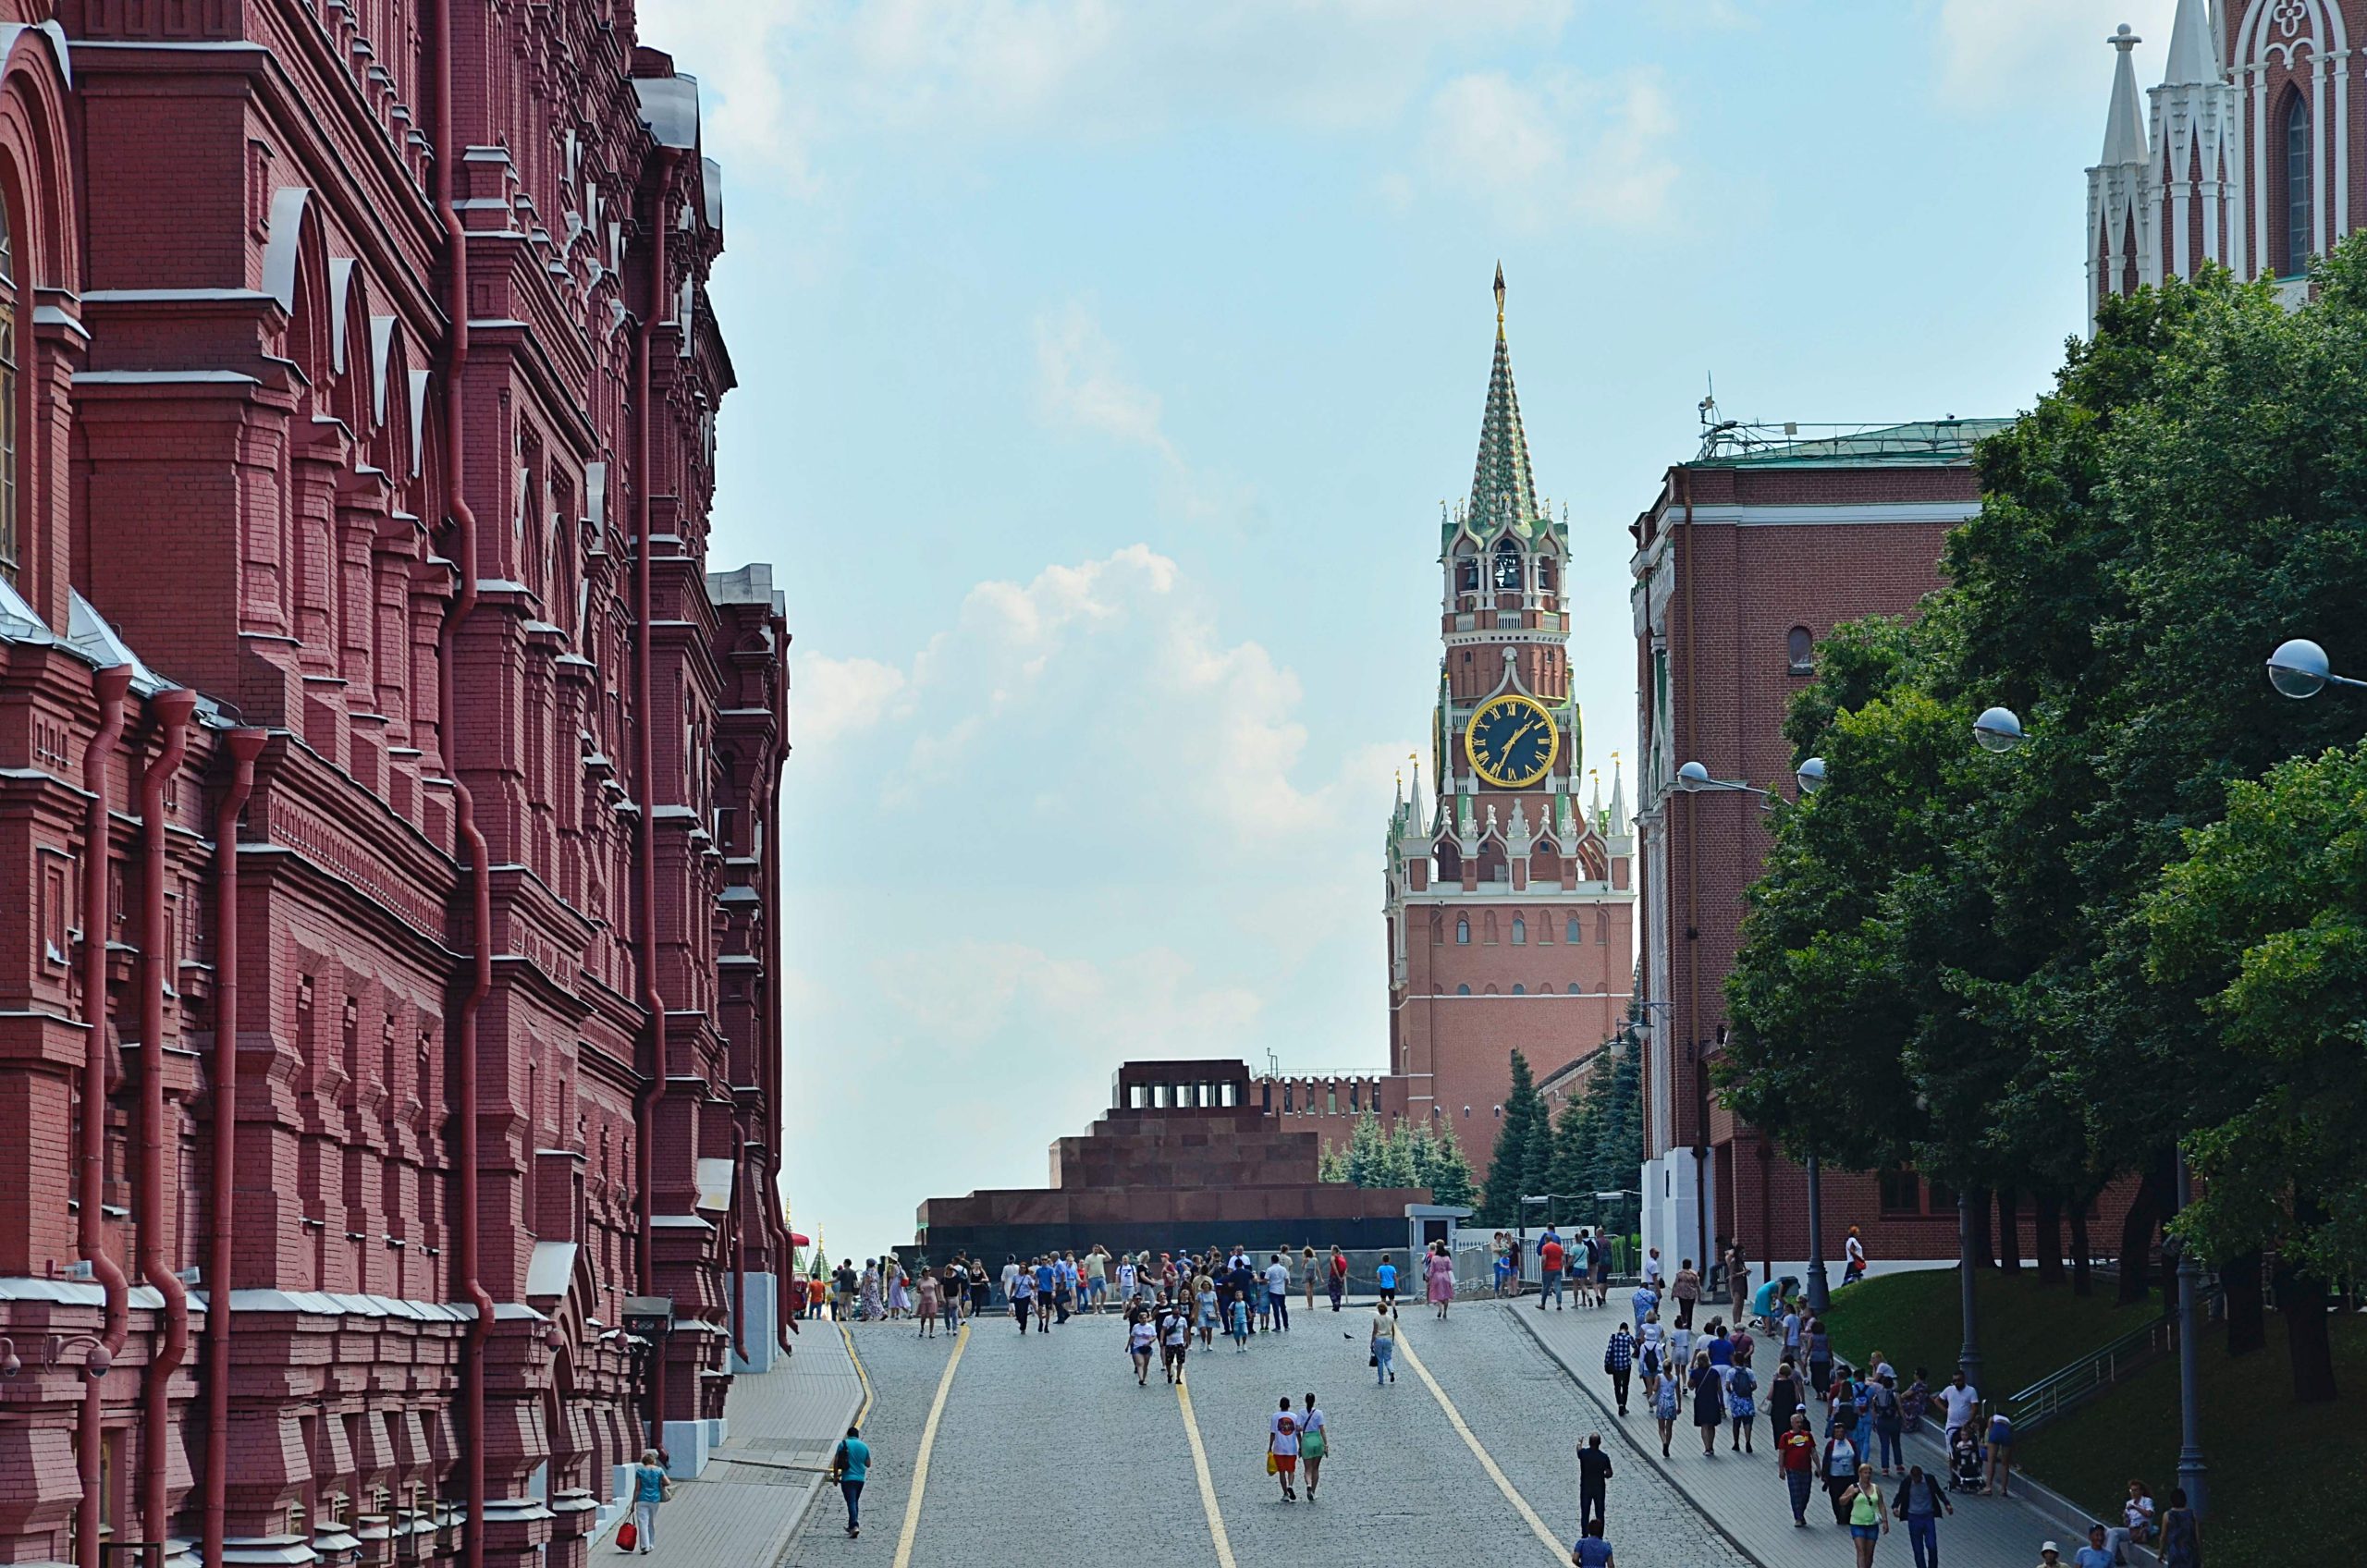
388	858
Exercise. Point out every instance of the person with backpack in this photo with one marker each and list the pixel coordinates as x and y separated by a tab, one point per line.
1741	1384
651	1487
1339	1278
1921	1501
1619	1360
1889	1416
848	1466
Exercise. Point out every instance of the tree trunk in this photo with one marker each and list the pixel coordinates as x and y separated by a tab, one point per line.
2301	1302
1983	1250
2083	1281
2247	1318
2009	1231
2137	1235
2048	1241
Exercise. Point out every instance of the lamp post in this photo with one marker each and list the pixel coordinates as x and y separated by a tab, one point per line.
2193	1474
1810	775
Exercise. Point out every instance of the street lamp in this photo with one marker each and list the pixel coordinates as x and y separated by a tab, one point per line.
1810	775
1694	779
2193	1474
1997	729
2301	668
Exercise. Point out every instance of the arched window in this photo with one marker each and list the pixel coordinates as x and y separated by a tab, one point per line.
1466	571
1507	565
1545	573
1602	926
2299	226
1574	988
11	555
1570	932
1462	931
1519	991
1520	932
1544	923
1462	990
1799	651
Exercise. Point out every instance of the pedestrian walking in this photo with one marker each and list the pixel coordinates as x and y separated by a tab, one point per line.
1175	1334
1384	1342
1313	1442
1922	1500
1023	1296
2181	1534
1142	1334
1385	1277
928	1301
1869	1520
651	1487
1282	1449
1785	1397
848	1466
1307	1271
1742	1384
1840	1468
1820	1343
1687	1288
1959	1402
1592	1550
1619	1361
956	1287
1601	1265
1550	1256
1662	1392
1594	1478
1097	1278
1890	1420
1338	1275
1738	1277
900	1296
1278	1293
1795	1461
1652	1267
1438	1269
1237	1312
873	1306
1853	1249
1708	1402
1914	1400
1204	1300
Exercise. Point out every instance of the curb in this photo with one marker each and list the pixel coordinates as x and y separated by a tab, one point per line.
1612	1415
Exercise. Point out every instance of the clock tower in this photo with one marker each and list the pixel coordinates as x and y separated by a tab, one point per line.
1510	905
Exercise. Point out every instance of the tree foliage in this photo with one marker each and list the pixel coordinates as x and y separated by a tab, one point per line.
1402	1154
2048	968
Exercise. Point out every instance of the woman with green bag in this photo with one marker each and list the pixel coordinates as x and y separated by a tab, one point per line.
1314	1444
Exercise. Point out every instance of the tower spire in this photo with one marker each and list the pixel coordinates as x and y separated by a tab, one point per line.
1500	482
2194	52
2125	125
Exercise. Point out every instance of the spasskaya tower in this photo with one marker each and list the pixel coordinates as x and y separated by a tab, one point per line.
1510	904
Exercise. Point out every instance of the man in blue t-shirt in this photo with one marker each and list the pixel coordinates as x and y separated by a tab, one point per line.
848	1467
1387	1275
1592	1550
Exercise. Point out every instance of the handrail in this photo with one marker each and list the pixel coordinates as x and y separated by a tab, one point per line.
2069	1386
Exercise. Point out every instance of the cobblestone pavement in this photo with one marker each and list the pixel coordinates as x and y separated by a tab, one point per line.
1047	1455
1746	1496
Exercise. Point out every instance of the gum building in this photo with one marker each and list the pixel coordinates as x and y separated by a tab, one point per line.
389	1050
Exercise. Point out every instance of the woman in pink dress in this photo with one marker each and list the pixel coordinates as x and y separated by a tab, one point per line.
1439	1269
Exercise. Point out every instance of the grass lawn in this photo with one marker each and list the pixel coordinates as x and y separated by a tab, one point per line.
2027	1330
2284	1478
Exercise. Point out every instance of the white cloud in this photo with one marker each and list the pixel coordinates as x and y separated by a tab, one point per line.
1997	53
1079	382
1553	146
834	696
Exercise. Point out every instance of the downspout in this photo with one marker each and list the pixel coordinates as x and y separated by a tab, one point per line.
773	1065
172	709
110	685
1688	565
653	1092
739	1239
468	840
245	746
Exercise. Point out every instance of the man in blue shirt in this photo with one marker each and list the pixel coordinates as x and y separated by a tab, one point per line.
1592	1550
1387	1276
848	1467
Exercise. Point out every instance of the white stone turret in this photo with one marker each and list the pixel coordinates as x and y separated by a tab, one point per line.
2123	227
2195	173
1618	831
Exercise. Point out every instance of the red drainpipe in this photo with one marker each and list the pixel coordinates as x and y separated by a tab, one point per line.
653	1092
739	1239
785	1253
245	746
469	841
172	710
110	684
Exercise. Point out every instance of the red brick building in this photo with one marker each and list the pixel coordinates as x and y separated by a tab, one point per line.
386	784
1508	912
1750	555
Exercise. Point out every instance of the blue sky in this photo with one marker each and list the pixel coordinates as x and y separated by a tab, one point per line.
1102	367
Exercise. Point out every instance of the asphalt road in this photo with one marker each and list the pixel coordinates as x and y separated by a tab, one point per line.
1047	1455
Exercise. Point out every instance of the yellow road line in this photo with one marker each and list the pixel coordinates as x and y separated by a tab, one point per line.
862	1411
928	1441
1207	1485
1503	1483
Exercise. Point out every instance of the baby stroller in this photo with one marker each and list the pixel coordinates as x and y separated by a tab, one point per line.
1965	1462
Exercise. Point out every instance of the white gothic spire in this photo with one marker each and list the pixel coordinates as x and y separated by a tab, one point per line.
2125	125
2194	49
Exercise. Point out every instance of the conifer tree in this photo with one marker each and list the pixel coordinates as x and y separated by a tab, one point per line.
1514	1138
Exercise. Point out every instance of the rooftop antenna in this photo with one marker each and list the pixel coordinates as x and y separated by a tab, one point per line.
1708	407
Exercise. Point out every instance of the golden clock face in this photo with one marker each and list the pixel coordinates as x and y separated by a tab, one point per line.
1512	742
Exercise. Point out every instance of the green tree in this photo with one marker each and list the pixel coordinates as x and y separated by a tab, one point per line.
1365	1152
1449	1173
1523	1113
